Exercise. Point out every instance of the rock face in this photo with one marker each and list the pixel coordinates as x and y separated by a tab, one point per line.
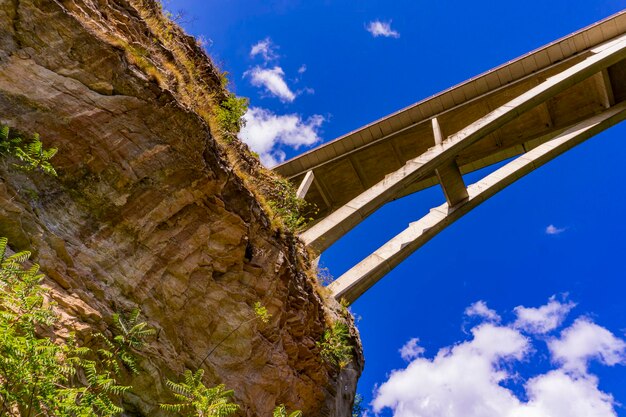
147	211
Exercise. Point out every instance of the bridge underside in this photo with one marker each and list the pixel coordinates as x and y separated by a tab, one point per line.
533	108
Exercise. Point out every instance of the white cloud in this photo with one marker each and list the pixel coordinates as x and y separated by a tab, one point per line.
411	350
542	319
480	309
585	340
273	81
558	394
379	28
265	132
265	48
461	381
466	379
272	78
553	230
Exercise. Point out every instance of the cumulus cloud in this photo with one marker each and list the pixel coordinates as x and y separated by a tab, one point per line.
584	341
272	79
480	309
467	379
553	230
462	380
378	28
265	133
542	319
411	349
265	48
559	394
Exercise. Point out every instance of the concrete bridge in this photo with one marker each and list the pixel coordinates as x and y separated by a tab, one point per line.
531	109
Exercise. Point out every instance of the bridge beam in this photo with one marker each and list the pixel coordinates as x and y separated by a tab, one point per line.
364	275
603	81
452	183
305	184
437	131
324	233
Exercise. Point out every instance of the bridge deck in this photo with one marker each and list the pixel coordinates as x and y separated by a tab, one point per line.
346	167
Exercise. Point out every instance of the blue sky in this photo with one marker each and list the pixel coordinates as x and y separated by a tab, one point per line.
317	73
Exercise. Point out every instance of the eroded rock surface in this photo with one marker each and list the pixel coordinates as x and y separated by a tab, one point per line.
147	212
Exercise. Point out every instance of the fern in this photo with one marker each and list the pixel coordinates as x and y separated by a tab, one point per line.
7	144
30	370
42	378
195	399
281	411
133	333
132	336
33	156
260	311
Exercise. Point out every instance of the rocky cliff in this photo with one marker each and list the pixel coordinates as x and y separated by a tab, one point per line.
150	210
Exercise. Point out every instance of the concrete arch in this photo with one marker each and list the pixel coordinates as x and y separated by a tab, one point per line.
366	273
533	108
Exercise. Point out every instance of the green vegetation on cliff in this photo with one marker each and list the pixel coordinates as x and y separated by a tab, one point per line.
148	209
31	156
335	345
49	376
185	69
195	399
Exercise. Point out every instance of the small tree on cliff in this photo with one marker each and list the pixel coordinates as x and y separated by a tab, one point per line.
229	115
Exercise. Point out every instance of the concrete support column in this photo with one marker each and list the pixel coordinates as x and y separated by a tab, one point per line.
305	184
603	81
437	131
452	183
